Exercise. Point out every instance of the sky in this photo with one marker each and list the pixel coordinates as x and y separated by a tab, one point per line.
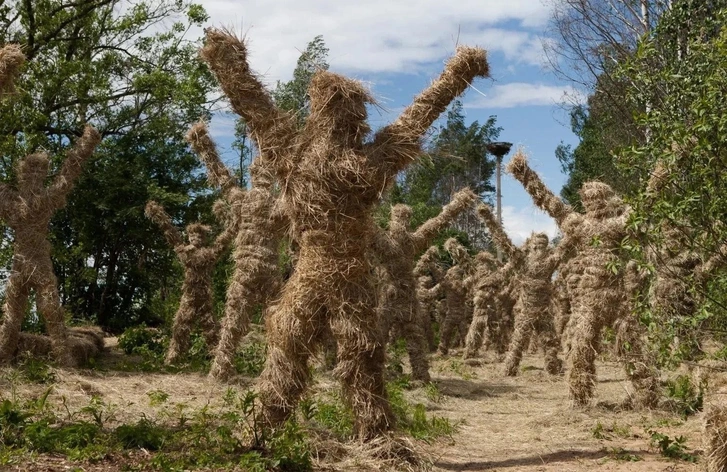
397	47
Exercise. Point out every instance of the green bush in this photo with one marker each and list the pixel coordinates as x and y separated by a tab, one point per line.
143	340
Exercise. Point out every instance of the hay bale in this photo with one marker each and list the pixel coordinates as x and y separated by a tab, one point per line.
85	343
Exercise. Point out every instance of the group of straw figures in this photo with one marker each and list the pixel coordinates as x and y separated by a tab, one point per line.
317	187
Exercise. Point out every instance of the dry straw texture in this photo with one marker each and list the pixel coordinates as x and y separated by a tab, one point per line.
456	294
535	264
27	211
600	297
331	180
258	229
397	249
484	285
11	59
714	438
428	273
198	260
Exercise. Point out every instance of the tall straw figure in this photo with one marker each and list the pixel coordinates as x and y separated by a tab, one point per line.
331	179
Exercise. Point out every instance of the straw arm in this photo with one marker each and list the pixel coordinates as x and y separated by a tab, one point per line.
423	236
73	165
406	132
218	174
541	195
436	291
272	129
156	213
427	263
565	249
499	237
223	240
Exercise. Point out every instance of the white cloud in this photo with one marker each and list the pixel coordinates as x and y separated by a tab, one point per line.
520	94
379	35
520	223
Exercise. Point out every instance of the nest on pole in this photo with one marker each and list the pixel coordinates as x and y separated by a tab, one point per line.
258	228
198	259
600	297
455	288
27	210
331	180
396	250
534	264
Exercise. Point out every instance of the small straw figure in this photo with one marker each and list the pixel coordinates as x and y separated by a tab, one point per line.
256	279
601	297
456	292
397	249
331	179
535	265
485	266
198	260
428	291
492	304
27	211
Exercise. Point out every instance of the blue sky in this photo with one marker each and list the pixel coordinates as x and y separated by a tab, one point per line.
398	46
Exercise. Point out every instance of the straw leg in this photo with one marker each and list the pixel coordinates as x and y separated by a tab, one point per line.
239	307
361	359
49	306
16	300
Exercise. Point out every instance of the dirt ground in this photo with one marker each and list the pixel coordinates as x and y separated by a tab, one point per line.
504	424
526	423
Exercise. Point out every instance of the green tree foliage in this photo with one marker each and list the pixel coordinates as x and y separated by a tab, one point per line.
602	132
456	157
680	84
129	70
293	95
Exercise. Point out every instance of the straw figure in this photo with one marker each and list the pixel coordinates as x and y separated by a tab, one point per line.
330	181
535	264
397	249
428	291
198	259
456	293
256	279
27	211
479	282
600	298
500	328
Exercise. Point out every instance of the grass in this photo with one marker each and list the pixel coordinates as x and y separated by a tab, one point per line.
216	438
